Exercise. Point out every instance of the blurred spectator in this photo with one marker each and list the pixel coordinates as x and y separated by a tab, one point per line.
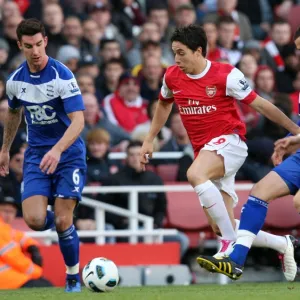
149	33
141	130
280	36
248	67
100	12
88	65
174	4
99	166
95	118
242	28
151	76
53	19
284	79
254	48
260	15
232	48
91	38
264	80
86	83
125	107
11	10
214	52
295	95
185	162
20	258
108	82
72	31
158	13
128	17
151	204
4	52
149	49
179	138
10	35
185	15
109	48
69	56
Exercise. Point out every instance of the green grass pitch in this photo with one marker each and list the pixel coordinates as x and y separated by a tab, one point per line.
241	291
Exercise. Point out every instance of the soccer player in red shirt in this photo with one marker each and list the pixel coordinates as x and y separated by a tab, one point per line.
283	180
205	93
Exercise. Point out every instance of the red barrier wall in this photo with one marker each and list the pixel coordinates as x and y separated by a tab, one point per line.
121	254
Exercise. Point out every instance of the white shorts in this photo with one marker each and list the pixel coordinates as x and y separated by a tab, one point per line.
234	151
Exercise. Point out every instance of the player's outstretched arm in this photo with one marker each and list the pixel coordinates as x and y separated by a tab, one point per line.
51	158
162	112
12	122
274	114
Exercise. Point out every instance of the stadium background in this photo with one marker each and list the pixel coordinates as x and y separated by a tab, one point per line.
119	51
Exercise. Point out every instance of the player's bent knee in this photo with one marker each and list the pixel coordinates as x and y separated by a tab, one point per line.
63	222
195	177
296	202
35	222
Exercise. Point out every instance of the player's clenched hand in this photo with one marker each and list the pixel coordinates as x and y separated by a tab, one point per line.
277	158
288	144
4	163
145	154
50	161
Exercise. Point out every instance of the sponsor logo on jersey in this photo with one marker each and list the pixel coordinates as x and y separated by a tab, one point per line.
196	110
211	91
42	115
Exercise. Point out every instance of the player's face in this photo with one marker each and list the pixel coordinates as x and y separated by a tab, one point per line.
34	49
185	58
8	213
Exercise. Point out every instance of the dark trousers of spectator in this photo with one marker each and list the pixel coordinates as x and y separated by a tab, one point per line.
41	282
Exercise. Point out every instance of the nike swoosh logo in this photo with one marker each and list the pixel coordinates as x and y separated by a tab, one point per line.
92	272
211	206
176	92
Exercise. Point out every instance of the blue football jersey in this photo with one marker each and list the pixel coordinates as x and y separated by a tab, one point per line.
48	97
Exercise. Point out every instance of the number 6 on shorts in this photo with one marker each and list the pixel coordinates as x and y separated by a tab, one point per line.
76	177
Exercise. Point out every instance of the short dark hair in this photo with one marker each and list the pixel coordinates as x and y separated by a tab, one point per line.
146	44
114	60
30	27
225	20
192	36
297	34
279	21
104	42
157	6
133	144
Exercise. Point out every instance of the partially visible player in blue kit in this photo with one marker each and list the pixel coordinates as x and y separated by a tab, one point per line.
55	160
283	180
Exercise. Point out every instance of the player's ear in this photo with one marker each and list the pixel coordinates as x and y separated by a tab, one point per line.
46	41
199	51
19	45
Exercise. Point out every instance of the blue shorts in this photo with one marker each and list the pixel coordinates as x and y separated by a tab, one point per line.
67	181
289	171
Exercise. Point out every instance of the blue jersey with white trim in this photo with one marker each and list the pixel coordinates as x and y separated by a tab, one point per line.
48	97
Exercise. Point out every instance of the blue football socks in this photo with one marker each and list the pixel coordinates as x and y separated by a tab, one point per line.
253	217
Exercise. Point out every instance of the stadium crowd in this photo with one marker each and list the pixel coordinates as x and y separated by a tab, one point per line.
119	51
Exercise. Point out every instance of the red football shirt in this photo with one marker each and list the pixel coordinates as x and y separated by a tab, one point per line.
206	102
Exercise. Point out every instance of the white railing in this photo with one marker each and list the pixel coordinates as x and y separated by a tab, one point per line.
149	233
156	155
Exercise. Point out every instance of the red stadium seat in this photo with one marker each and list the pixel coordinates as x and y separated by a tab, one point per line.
293	18
151	168
168	172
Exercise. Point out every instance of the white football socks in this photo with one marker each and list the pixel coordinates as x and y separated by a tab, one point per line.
211	198
266	240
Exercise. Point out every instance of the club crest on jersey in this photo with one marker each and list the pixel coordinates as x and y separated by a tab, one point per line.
211	91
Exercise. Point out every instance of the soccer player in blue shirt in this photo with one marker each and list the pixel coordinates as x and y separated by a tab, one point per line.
283	180
55	160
